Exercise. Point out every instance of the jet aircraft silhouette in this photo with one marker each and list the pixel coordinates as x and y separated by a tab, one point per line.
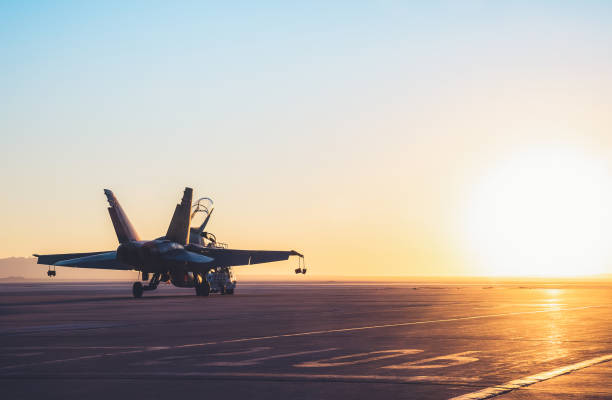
181	256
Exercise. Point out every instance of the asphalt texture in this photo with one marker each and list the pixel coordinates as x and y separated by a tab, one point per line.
311	341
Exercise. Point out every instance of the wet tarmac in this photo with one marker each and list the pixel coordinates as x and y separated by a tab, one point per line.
311	341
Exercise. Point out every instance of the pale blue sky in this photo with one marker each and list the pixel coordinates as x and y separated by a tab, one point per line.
306	122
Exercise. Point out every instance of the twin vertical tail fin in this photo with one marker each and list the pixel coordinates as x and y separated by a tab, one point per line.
123	227
178	231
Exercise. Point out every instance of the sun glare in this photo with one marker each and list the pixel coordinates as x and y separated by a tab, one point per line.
542	213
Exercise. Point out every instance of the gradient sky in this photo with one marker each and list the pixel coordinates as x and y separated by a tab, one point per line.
361	133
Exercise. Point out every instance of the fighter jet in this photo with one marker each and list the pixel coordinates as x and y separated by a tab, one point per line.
185	256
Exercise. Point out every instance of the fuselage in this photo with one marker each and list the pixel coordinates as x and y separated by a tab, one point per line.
149	257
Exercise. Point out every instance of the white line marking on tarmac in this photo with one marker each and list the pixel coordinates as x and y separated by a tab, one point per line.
264	376
70	347
56	327
346	360
333	377
255	361
237	353
455	359
360	328
530	380
36	353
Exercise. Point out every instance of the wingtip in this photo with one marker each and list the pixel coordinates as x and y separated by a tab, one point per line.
295	253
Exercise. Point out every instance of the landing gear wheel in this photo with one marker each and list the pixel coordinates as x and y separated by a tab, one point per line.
229	291
137	290
202	289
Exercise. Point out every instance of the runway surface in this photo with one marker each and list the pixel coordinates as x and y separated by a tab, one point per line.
311	341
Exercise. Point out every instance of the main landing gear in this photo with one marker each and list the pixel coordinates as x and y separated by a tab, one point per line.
301	269
138	289
202	287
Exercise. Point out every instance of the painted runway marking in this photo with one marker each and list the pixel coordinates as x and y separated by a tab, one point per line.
258	360
259	376
530	380
56	327
70	347
455	359
347	360
37	353
237	353
361	328
333	377
161	361
251	339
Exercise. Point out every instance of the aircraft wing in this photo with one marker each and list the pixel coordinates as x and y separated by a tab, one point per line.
233	257
96	259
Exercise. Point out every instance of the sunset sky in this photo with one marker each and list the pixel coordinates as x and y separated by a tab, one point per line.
379	138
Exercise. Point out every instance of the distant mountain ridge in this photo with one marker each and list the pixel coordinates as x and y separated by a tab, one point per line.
23	267
13	279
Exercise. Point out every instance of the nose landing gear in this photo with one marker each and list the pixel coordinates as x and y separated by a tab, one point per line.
138	288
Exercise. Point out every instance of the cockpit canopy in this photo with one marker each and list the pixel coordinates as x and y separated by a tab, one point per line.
200	213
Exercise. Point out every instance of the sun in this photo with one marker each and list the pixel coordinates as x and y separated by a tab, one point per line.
543	212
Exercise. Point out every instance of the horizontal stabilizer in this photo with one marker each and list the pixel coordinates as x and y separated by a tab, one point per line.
105	261
50	259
